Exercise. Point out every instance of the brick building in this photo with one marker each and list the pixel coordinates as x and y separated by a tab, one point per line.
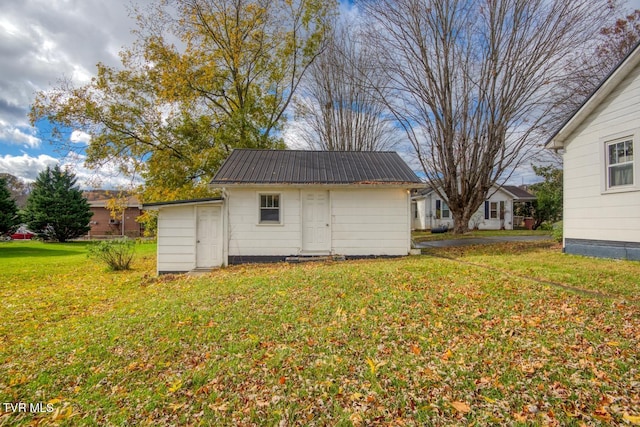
103	225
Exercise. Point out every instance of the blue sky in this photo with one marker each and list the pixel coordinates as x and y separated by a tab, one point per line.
42	41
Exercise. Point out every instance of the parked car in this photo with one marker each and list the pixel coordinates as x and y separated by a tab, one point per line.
22	234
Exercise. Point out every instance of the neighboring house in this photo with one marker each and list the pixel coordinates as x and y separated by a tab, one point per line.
103	225
601	168
430	211
284	203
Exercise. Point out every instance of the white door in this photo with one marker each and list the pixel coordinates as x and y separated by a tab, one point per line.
208	238
316	225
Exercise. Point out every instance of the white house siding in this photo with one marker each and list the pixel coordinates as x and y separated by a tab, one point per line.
591	213
247	237
176	239
419	214
427	209
371	221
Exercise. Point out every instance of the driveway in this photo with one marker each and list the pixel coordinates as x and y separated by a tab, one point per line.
479	241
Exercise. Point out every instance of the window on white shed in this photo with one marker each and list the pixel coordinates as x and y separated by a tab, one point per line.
620	163
269	208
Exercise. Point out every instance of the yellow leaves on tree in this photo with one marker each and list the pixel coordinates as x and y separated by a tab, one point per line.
173	113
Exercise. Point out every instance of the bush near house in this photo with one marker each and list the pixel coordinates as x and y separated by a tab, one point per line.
482	337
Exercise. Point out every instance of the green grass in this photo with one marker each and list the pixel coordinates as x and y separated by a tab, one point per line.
427	236
471	338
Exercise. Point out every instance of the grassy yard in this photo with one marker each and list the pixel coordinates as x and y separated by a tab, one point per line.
514	334
427	236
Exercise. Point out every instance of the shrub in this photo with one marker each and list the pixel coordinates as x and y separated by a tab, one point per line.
557	231
117	254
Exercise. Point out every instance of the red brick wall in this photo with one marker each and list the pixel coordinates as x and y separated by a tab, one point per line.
101	226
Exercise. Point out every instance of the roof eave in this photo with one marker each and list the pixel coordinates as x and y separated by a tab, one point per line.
317	184
157	205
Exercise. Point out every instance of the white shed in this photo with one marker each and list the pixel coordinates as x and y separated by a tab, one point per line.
285	203
601	171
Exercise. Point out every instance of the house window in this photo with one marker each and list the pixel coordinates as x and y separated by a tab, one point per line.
442	209
269	209
493	210
446	213
620	163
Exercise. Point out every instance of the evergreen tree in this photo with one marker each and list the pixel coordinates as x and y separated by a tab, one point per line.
56	209
8	209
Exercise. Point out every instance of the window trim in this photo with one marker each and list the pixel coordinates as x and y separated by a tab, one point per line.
611	166
260	208
444	205
605	143
493	210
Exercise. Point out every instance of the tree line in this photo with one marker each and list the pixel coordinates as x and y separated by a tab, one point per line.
472	88
55	208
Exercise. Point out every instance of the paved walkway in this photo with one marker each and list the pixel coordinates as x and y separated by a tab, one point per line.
478	241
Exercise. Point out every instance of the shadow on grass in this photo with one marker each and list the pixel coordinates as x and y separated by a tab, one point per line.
494	249
17	250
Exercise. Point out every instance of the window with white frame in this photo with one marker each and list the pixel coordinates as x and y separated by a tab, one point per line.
269	209
442	209
619	157
493	210
446	213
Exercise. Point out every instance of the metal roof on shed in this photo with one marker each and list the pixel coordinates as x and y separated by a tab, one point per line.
314	167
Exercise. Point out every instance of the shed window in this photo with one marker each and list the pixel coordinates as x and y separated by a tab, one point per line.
269	209
620	163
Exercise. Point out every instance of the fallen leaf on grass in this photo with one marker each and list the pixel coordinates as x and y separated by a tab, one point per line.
461	407
175	386
633	419
447	355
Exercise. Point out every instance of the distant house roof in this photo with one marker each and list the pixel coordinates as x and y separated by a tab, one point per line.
519	193
99	198
314	167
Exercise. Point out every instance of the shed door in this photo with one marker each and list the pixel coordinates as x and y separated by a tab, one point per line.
209	237
316	226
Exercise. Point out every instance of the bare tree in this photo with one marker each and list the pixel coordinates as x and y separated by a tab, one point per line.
591	66
472	82
337	109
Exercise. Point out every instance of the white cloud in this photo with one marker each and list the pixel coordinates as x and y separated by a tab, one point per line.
28	167
42	41
25	166
79	136
16	136
107	177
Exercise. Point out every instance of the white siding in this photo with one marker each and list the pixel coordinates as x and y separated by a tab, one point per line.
372	221
364	221
590	212
176	238
427	208
249	238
